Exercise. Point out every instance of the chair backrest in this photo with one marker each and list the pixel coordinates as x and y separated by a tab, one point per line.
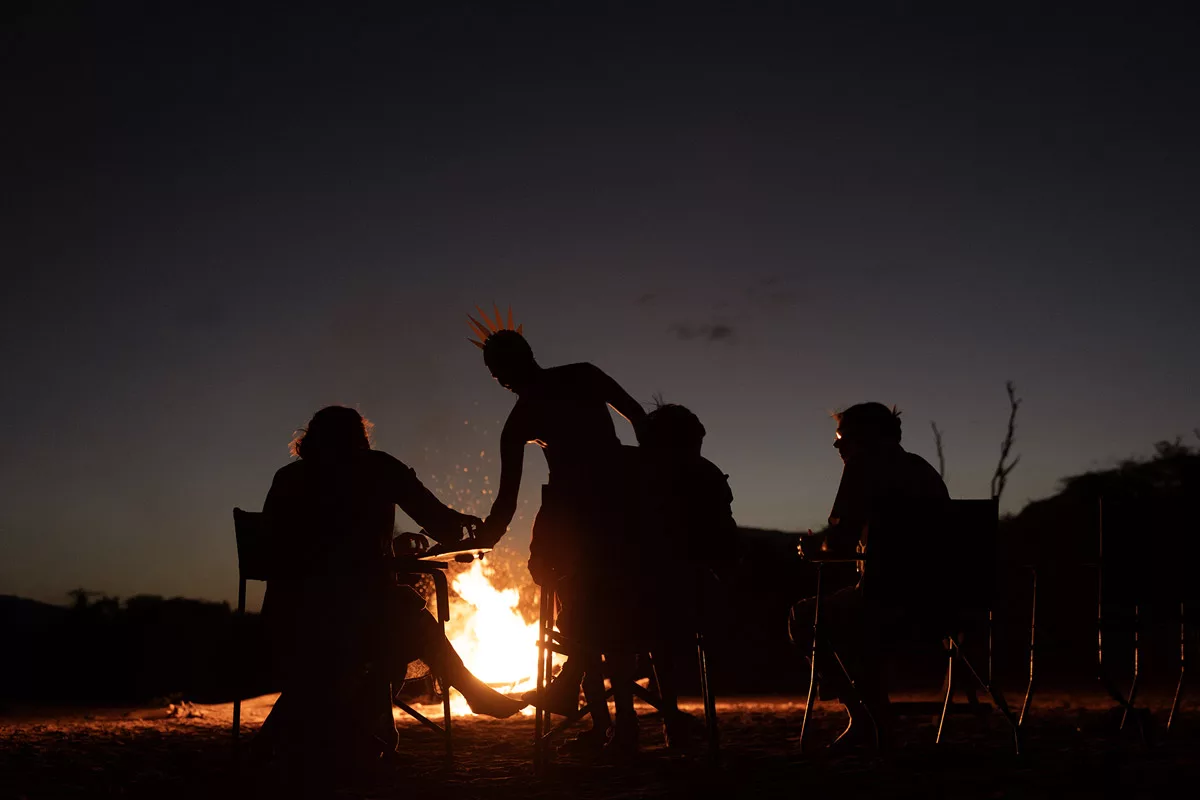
933	559
252	545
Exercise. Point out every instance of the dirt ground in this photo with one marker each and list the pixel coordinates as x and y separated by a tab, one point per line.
1071	750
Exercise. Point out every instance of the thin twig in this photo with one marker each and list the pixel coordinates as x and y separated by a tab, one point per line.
937	439
1000	478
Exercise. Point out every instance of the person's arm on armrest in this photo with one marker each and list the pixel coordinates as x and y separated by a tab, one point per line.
437	519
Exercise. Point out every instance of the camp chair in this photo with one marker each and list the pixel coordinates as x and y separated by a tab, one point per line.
934	590
254	564
551	641
1145	555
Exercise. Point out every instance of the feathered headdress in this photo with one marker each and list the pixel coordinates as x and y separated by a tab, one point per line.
486	328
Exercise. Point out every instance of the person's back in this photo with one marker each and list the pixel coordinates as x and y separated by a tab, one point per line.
334	519
883	477
685	510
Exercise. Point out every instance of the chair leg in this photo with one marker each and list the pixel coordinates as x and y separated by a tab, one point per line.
1133	687
442	590
647	697
997	697
1182	665
949	690
238	626
1032	652
812	675
706	696
541	716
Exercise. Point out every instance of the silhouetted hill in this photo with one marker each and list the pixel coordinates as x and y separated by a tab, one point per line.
104	651
18	613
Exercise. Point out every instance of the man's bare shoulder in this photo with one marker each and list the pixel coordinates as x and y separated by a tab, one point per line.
580	369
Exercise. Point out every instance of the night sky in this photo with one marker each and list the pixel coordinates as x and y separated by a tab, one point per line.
217	220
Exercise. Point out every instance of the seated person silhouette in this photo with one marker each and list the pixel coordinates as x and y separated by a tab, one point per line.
877	473
687	518
333	604
582	530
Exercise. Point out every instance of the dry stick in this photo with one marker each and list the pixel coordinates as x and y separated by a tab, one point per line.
1001	477
937	439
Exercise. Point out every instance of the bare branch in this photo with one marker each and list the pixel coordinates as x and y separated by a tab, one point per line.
937	439
1000	478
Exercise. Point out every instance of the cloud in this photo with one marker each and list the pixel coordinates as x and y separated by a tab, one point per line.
708	332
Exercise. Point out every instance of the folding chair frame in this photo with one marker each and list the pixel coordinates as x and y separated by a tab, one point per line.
820	642
1127	702
551	641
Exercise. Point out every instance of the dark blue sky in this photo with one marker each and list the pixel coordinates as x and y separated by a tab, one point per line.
216	221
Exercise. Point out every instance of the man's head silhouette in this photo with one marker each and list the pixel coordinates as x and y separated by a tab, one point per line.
510	359
332	431
865	427
505	351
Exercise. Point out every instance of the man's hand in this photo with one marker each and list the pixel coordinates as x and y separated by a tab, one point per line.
489	532
472	524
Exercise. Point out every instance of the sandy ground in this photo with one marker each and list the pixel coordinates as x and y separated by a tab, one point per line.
1071	750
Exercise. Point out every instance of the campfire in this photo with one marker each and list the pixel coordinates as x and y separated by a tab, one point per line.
490	634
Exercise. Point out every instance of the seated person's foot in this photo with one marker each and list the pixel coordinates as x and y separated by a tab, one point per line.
485	700
560	697
590	742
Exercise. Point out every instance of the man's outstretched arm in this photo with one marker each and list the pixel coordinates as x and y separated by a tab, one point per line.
440	521
620	400
512	456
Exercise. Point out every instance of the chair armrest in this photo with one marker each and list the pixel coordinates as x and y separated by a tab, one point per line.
412	564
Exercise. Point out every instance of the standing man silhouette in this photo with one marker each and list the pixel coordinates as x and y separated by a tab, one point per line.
581	528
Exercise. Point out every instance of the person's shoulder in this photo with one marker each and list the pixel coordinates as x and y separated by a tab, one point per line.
917	462
290	471
931	478
383	461
710	471
714	481
580	369
575	377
